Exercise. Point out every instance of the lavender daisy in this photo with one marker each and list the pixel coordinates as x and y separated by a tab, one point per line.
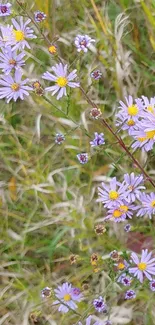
120	212
134	186
88	321
65	295
14	87
98	140
113	194
59	138
131	109
96	74
127	227
6	37
143	139
130	294
76	294
125	280
152	285
61	79
149	104
82	157
145	266
39	16
148	205
10	60
82	42
5	9
100	305
21	33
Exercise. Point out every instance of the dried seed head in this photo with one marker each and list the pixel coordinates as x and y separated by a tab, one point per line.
73	259
46	292
95	113
100	229
94	259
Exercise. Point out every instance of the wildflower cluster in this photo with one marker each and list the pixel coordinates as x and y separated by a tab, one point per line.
137	117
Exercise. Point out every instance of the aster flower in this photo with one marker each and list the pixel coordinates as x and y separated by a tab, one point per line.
52	49
127	227
152	285
143	140
82	42
76	294
10	60
121	265
120	212
148	205
98	140
113	194
6	36
59	138
61	80
46	292
134	186
88	321
130	294
21	33
100	305
65	295
131	109
145	266
14	87
82	157
5	9
149	104
95	113
125	280
96	74
39	16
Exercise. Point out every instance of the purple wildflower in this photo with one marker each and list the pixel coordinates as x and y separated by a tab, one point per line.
130	109
6	37
5	9
10	60
144	138
134	186
148	205
145	266
127	227
130	294
113	194
82	157
125	280
152	285
98	140
39	16
100	305
76	294
107	322
61	80
88	321
120	212
14	88
21	33
149	104
65	294
59	138
82	42
96	74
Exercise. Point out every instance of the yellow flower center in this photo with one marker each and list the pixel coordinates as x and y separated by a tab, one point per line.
67	297
52	49
150	108
142	266
117	214
124	208
15	87
131	122
141	139
12	62
62	81
19	35
121	266
113	195
133	110
150	134
153	204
